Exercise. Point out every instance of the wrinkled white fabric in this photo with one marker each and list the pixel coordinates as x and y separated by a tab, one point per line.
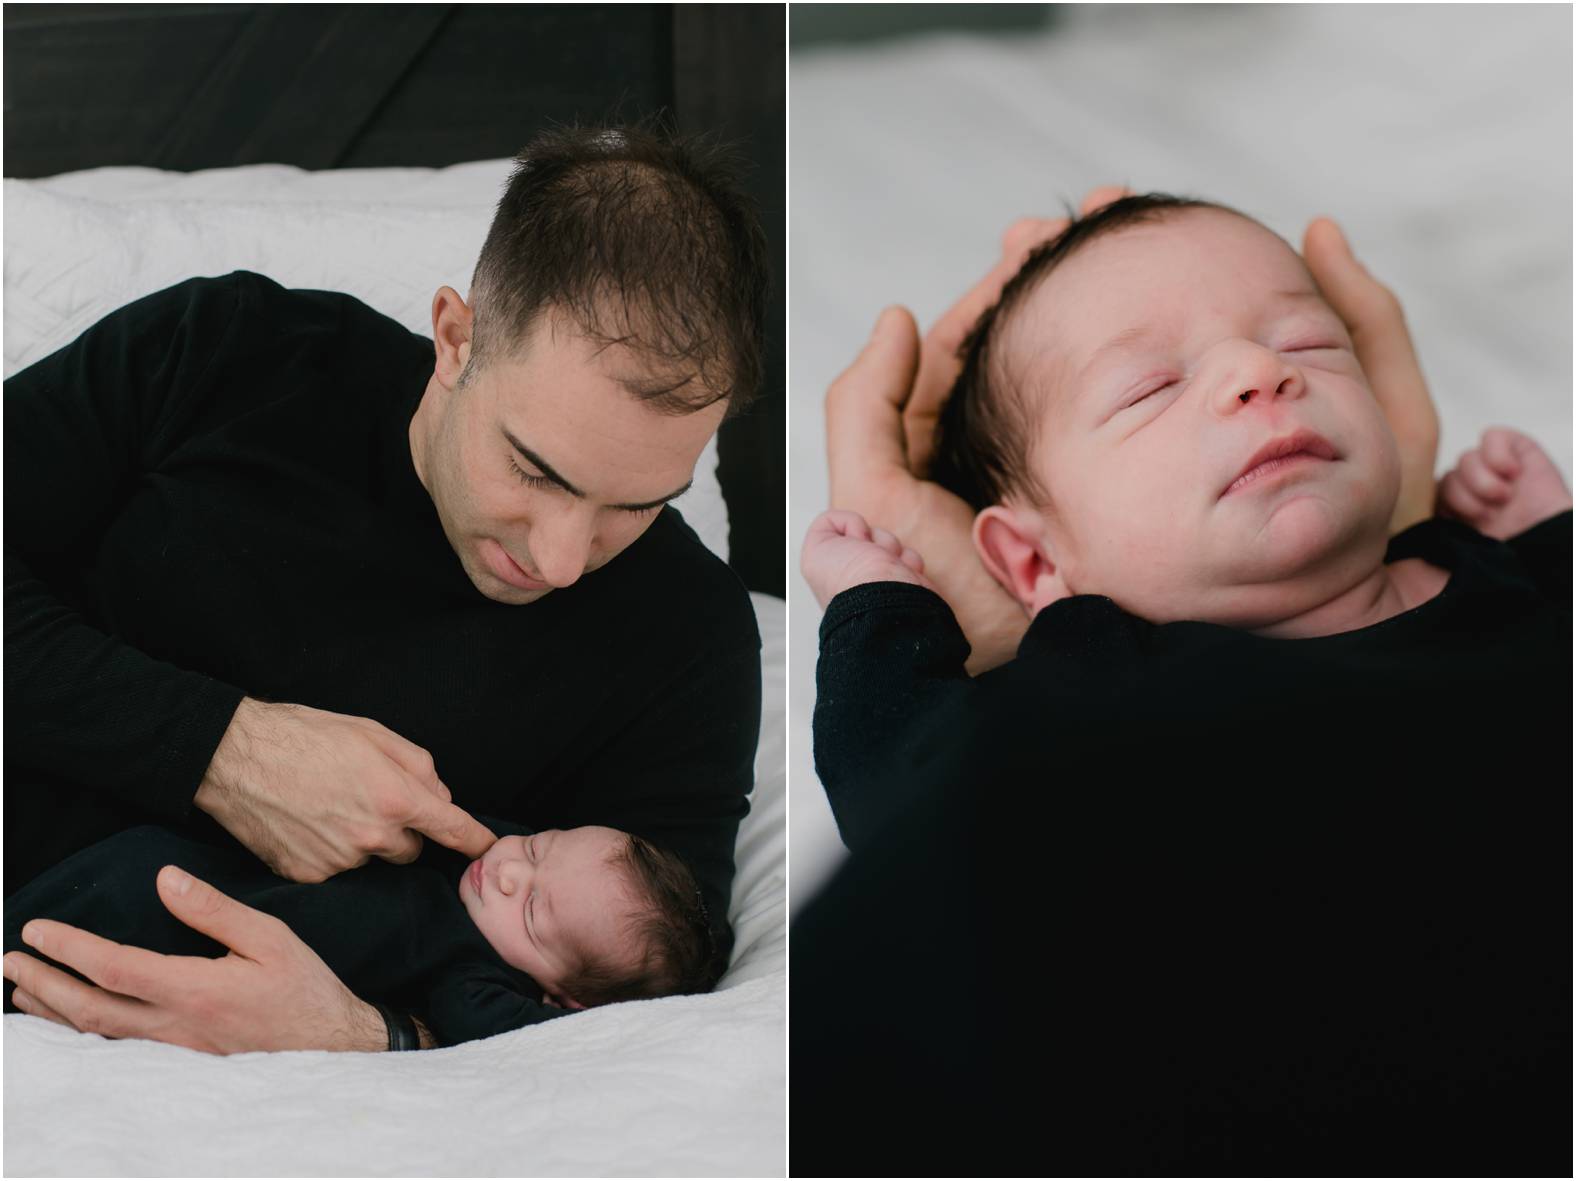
683	1086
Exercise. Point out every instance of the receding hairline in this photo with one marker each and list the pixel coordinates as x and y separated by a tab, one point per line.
644	377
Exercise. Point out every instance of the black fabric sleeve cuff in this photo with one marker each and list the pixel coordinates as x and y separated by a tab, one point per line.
888	596
1545	551
186	758
892	662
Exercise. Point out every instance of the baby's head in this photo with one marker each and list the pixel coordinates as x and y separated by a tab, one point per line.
1127	376
593	915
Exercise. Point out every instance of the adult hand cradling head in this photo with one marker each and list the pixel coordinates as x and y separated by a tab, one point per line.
881	414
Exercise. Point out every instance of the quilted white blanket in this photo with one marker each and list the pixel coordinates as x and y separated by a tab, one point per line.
689	1086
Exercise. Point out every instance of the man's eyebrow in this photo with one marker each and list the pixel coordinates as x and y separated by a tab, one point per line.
674	495
548	472
547	469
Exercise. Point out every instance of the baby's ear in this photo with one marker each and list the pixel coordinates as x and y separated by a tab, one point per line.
1010	542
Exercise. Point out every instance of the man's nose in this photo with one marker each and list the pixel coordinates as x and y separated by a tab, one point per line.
562	547
1245	373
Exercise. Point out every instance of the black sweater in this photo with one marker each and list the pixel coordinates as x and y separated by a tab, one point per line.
1182	899
395	934
210	494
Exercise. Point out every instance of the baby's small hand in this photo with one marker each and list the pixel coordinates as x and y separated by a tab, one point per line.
1504	486
842	551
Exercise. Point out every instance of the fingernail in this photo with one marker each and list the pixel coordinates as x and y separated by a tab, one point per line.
179	880
30	934
10	967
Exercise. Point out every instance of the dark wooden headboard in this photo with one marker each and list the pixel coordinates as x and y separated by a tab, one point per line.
192	86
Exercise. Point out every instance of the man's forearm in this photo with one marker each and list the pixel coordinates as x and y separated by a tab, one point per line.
424	1035
368	1033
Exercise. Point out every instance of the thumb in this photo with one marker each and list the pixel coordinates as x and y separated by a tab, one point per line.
1373	316
864	407
203	908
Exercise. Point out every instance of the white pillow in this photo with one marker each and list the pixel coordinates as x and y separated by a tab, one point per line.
80	245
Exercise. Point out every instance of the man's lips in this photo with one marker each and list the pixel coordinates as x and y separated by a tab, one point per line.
1302	444
511	571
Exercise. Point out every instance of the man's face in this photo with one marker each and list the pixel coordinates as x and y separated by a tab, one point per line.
1162	358
545	466
550	902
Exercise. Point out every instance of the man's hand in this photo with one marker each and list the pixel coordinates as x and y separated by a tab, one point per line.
271	992
1373	316
314	793
881	416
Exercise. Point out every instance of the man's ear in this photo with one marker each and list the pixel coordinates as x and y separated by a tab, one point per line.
451	335
1011	544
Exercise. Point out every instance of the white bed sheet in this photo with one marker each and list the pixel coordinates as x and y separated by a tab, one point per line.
1438	135
680	1086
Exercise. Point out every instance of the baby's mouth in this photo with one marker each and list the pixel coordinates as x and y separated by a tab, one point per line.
1285	451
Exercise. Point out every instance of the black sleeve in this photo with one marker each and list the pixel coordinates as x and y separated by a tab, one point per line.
681	772
1545	551
477	1002
84	426
892	659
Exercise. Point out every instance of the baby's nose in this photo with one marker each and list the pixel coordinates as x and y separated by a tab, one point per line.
511	874
1250	373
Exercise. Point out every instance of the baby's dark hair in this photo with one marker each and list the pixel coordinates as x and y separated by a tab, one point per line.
678	951
986	430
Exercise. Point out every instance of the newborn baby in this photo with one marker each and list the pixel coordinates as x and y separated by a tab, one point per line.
543	923
1164	411
1254	857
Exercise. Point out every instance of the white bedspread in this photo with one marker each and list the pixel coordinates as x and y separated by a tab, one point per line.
1438	135
691	1086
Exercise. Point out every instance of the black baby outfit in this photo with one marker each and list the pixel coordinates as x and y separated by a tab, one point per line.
395	934
1182	899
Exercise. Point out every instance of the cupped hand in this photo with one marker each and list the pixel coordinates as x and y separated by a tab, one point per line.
314	793
272	992
881	416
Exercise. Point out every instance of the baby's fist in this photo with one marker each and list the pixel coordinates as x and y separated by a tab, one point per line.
842	551
1504	486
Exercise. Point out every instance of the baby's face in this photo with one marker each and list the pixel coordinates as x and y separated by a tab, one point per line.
550	901
1162	358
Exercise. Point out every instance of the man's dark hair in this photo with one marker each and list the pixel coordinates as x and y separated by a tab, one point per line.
986	430
678	952
642	238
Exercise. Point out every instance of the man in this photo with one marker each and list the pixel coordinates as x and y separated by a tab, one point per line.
284	573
